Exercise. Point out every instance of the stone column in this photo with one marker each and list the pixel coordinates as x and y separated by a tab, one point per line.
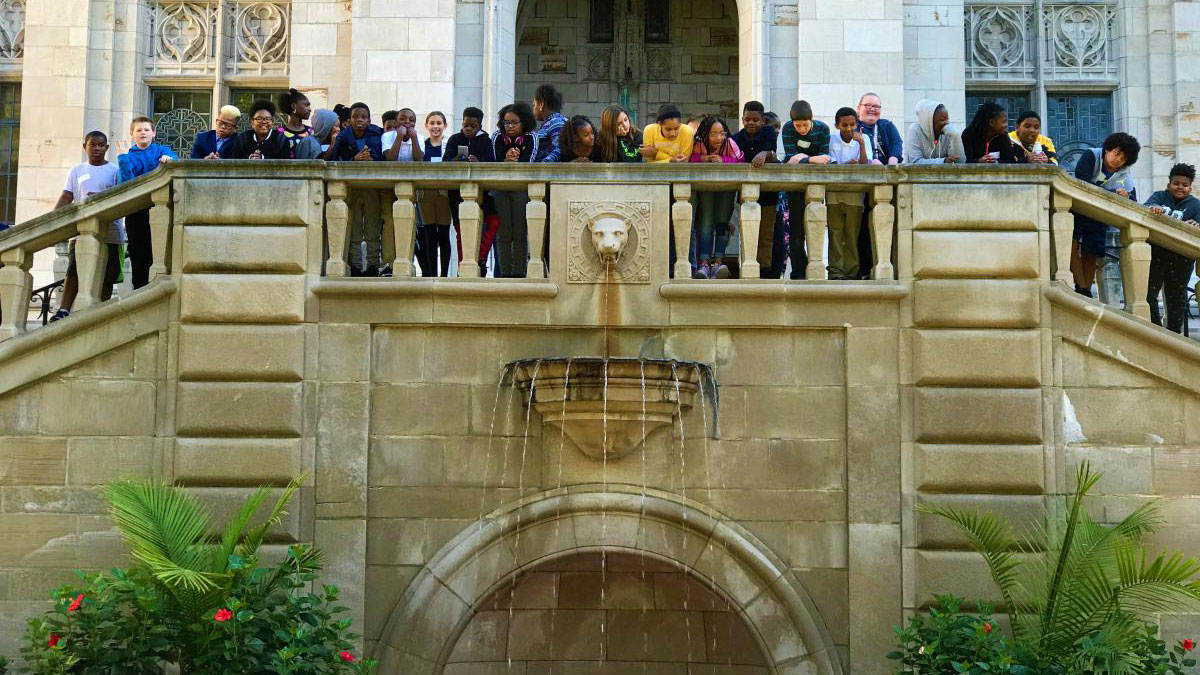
847	50
1187	82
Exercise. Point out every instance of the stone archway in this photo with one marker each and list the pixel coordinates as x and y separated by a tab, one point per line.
446	594
486	48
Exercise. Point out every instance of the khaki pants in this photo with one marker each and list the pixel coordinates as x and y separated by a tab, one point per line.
845	211
766	236
365	224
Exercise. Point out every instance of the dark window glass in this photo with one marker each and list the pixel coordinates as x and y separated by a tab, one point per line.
1076	122
10	141
658	22
180	114
242	99
1014	104
601	23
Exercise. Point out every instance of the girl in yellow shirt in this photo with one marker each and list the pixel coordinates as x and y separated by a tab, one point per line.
668	139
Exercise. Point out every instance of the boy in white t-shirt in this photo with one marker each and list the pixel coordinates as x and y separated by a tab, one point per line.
95	175
845	209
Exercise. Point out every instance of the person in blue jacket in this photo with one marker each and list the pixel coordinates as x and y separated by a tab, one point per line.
887	148
218	141
143	157
1107	167
1170	272
362	141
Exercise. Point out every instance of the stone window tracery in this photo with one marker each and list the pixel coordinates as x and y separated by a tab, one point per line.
1034	40
12	29
204	38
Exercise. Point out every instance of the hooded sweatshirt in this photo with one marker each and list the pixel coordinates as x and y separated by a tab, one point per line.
313	146
920	147
1184	209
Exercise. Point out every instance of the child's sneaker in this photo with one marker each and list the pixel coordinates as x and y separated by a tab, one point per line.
721	272
701	272
61	314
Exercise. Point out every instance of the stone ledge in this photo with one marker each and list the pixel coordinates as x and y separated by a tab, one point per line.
396	287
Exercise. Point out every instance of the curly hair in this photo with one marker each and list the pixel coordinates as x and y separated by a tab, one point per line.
523	111
567	139
706	126
1128	145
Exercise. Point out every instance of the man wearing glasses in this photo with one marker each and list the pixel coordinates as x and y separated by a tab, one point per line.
217	143
882	134
261	140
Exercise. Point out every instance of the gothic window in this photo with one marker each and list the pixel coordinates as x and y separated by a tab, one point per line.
1015	104
601	21
242	99
1018	52
658	22
180	114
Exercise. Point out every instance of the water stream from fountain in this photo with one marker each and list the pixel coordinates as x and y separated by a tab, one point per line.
687	587
556	579
512	586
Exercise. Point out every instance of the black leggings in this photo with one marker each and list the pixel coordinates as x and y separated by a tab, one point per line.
1169	273
435	242
141	253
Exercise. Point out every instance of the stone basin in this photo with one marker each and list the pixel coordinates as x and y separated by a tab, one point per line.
608	406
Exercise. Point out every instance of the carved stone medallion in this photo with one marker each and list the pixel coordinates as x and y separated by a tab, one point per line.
584	264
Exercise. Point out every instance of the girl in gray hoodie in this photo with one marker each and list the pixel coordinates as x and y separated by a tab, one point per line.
932	139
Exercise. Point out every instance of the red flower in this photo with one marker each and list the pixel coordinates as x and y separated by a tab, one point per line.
223	615
987	628
54	639
347	657
1188	644
76	603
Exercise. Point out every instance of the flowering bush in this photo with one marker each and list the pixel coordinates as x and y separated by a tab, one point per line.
121	622
950	642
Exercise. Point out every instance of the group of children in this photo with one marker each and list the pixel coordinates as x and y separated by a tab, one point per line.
539	132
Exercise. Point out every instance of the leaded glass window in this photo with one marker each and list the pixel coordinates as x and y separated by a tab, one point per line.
180	114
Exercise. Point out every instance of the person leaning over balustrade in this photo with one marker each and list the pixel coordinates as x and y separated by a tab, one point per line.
262	140
1170	272
97	174
316	144
986	140
217	142
886	145
547	110
932	139
1107	167
1028	138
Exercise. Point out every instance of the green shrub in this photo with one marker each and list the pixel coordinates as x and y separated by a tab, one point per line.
950	642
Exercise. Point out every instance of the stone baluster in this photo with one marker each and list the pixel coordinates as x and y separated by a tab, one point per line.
535	215
1062	224
883	223
681	219
90	257
816	218
751	221
404	224
160	230
1135	269
470	220
387	233
16	284
337	224
62	260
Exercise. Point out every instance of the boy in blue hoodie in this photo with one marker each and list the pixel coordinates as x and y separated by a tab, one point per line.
362	141
143	157
1170	272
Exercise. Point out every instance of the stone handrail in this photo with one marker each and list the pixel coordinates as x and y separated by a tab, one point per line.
401	181
88	221
1138	227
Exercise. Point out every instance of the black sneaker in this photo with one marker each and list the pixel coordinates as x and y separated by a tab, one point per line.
61	314
1086	292
385	271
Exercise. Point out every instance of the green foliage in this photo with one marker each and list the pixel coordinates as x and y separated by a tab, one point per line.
949	642
1074	587
195	600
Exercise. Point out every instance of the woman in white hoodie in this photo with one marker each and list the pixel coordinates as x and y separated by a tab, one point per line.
932	139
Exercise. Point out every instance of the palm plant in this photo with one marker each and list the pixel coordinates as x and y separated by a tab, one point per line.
169	534
1078	591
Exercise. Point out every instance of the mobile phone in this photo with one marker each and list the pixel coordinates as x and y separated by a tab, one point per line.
463	151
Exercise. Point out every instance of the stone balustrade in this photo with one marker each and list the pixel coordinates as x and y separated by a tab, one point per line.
398	185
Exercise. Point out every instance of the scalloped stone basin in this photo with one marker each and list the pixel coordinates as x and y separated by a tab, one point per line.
608	407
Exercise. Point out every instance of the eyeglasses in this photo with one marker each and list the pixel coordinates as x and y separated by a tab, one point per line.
258	118
511	123
867	106
225	124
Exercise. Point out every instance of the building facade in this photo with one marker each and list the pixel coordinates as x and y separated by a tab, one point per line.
1088	67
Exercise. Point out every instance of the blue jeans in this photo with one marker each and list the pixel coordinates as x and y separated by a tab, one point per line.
713	211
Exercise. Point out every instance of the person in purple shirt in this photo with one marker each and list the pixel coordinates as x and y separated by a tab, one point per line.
143	157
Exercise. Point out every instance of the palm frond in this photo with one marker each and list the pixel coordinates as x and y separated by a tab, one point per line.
165	530
992	538
252	538
236	526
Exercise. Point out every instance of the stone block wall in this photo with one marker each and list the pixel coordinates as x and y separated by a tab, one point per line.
60	438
